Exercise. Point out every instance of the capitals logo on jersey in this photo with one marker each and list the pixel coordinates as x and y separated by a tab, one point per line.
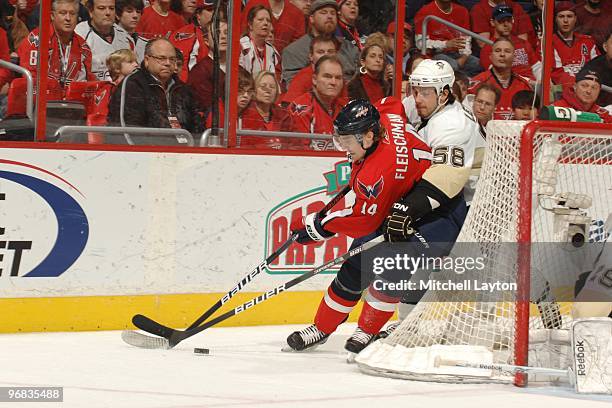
372	191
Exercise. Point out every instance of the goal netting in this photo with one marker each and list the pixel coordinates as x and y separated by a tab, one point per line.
540	183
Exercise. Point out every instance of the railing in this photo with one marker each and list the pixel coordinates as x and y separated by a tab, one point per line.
214	141
451	25
29	86
66	131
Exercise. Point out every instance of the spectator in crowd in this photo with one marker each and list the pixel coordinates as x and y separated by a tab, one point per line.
526	60
201	76
481	15
23	8
158	20
315	111
369	82
593	21
102	35
413	6
287	20
463	82
303	5
246	91
408	43
323	21
257	53
486	98
120	64
535	15
583	95
264	114
33	20
69	54
184	8
348	11
409	103
302	82
500	75
571	49
5	75
179	63
129	13
603	66
191	38
525	105
443	42
153	96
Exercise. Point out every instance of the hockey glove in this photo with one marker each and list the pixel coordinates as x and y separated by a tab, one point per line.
396	227
309	230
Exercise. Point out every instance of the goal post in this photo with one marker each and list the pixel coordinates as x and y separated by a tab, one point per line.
543	186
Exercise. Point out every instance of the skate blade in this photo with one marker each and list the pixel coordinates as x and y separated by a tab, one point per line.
350	357
287	349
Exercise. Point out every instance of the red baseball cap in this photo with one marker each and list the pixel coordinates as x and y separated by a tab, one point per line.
205	4
391	27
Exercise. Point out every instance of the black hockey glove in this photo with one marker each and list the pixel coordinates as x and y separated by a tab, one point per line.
310	230
396	227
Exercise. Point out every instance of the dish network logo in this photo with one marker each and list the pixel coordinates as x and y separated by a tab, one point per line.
301	258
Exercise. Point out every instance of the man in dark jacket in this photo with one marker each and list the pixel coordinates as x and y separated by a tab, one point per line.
153	96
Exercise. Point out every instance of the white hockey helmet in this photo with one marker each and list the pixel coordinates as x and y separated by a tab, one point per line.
433	73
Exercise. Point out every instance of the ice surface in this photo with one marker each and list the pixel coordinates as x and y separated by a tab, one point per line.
245	369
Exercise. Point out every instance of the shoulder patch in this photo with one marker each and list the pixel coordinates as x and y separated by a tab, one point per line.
183	36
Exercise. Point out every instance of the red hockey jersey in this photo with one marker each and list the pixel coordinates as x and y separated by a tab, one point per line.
570	57
152	24
66	64
310	116
190	40
436	31
503	110
383	177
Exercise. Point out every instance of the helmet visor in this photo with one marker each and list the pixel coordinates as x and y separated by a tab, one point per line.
347	143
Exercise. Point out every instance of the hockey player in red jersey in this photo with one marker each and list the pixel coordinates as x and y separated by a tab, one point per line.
388	158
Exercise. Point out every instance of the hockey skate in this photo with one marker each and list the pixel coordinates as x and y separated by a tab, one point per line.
387	331
357	342
305	339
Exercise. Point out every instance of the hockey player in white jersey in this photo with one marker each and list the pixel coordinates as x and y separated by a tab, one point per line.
103	36
452	133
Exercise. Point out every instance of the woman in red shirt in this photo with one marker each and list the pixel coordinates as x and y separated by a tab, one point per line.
369	82
263	114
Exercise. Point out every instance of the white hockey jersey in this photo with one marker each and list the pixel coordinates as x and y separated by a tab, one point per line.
101	48
452	134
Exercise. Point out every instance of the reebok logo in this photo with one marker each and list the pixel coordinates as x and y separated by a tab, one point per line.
580	360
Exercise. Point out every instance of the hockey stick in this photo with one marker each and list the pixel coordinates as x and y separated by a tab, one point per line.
439	361
173	337
149	325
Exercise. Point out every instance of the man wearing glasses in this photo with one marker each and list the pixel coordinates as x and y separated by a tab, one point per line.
153	96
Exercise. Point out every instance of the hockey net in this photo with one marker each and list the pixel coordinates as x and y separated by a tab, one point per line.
527	170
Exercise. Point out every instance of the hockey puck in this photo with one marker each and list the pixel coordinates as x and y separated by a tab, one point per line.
203	351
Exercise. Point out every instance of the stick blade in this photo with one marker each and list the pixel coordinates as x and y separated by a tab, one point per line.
151	326
140	340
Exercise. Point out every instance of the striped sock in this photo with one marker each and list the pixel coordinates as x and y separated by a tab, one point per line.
333	310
